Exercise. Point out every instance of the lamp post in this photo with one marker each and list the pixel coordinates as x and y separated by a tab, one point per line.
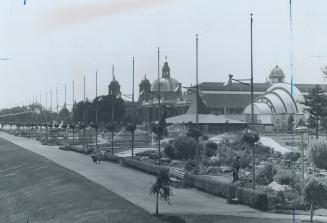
302	130
230	82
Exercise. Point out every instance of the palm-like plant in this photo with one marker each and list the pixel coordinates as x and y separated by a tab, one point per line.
161	188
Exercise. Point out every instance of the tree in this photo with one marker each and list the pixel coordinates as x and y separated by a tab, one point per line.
315	194
161	188
318	153
315	104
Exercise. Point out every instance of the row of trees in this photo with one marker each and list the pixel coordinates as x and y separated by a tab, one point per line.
107	108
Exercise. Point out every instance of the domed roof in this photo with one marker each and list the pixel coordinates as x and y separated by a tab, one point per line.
166	84
144	82
279	99
277	72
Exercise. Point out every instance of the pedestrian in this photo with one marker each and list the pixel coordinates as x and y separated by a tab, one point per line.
236	167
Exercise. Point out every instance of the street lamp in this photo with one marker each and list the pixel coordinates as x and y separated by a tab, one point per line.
302	130
230	82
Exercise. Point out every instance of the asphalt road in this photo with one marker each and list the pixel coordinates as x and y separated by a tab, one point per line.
37	189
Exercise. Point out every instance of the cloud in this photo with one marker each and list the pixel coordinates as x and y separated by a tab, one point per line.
85	13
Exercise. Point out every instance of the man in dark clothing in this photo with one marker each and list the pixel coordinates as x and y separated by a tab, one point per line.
236	168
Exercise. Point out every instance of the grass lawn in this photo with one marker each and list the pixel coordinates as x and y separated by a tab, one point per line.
228	219
34	188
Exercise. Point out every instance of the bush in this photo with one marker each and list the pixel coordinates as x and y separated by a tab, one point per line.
211	149
266	175
145	167
318	154
209	185
245	159
186	147
292	156
111	158
252	198
190	165
285	177
171	152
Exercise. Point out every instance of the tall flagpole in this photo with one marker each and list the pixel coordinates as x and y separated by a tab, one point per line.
197	101
96	109
133	116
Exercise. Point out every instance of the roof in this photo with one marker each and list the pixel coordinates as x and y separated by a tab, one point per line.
277	72
203	119
220	86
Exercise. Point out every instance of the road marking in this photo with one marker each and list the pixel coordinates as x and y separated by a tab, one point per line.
14	168
9	174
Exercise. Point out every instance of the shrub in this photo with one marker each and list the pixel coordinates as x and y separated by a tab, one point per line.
186	147
292	156
209	185
111	158
318	153
190	165
145	167
171	152
245	159
315	193
266	175
211	149
252	198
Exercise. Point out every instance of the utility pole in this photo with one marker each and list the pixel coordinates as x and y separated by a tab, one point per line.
133	116
197	101
112	112
252	106
73	114
96	110
159	110
84	124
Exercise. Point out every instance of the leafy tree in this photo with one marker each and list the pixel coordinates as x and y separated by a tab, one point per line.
323	123
315	193
161	188
315	104
64	115
318	153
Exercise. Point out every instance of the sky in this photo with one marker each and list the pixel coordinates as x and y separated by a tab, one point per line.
51	43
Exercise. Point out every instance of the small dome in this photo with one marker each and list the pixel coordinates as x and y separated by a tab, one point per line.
166	84
145	82
114	87
277	75
145	85
277	72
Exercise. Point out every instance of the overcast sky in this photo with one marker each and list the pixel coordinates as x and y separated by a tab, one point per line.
50	43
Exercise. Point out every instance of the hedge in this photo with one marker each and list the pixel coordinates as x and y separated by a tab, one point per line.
252	198
206	184
145	167
111	158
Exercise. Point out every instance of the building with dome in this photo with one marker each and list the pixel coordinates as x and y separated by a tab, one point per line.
274	101
170	92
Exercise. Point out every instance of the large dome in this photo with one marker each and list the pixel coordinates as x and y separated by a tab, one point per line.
166	84
280	98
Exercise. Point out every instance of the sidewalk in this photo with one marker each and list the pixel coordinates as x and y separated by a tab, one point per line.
135	186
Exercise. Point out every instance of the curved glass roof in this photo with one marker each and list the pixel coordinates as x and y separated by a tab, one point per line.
278	100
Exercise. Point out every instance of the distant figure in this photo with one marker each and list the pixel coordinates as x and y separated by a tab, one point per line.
236	167
95	156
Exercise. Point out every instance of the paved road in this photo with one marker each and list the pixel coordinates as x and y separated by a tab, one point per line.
36	189
134	185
